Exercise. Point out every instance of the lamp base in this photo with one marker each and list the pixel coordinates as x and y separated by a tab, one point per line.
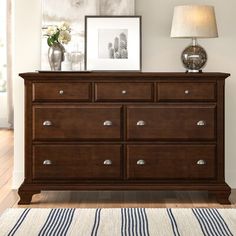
194	57
193	71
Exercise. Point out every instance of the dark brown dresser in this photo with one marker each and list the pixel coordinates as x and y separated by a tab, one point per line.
124	131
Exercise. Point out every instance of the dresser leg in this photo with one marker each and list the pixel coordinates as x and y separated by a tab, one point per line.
26	196
222	196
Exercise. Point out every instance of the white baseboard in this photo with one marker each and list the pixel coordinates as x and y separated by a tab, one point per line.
4	124
232	184
17	180
230	179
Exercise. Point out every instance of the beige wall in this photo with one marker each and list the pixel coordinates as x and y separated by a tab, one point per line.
27	33
160	53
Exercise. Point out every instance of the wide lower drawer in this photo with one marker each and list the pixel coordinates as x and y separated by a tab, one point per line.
76	122
59	91
171	162
174	122
66	162
124	91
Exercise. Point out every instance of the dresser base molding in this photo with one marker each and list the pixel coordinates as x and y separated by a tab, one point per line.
220	191
26	195
221	196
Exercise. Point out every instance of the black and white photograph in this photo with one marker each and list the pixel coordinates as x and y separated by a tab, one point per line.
72	14
113	43
107	43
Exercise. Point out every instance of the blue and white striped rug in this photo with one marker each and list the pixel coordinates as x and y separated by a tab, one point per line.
116	222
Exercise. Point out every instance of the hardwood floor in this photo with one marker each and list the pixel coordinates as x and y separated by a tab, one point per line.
9	198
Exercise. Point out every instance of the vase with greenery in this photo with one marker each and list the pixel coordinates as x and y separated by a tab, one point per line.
56	37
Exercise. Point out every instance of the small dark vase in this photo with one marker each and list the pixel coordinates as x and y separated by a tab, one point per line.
56	56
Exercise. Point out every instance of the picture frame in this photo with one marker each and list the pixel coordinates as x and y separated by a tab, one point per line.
108	44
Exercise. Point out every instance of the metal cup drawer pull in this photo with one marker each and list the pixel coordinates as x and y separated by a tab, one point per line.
123	91
141	162
186	91
201	123
47	162
201	162
107	162
47	123
141	123
107	123
61	92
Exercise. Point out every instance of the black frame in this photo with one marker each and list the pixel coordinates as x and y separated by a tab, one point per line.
114	16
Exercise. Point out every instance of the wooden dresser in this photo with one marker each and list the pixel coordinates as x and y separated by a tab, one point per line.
124	131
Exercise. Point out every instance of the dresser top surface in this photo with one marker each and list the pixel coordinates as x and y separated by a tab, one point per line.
123	75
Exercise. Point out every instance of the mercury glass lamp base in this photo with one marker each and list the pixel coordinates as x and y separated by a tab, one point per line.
193	71
194	58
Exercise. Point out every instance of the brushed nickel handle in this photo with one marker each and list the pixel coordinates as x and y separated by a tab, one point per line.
201	123
141	123
201	162
107	162
47	123
61	92
47	162
107	123
186	91
141	162
123	91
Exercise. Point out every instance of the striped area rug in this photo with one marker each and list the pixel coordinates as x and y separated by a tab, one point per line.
116	222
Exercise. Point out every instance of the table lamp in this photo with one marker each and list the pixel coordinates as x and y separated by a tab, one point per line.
194	21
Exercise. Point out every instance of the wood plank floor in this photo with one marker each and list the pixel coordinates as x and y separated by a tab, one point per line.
9	198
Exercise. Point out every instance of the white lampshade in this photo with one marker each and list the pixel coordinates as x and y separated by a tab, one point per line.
194	21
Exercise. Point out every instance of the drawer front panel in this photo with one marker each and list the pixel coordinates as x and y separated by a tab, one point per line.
195	122
171	162
124	91
62	91
76	122
62	162
186	91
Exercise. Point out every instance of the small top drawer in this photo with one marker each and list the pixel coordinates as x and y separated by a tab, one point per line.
186	91
135	91
61	91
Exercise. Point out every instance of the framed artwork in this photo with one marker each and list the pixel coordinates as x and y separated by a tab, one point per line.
73	12
113	43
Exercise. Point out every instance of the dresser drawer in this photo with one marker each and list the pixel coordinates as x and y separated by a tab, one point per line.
186	122
186	91
65	162
62	91
76	122
124	91
171	162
